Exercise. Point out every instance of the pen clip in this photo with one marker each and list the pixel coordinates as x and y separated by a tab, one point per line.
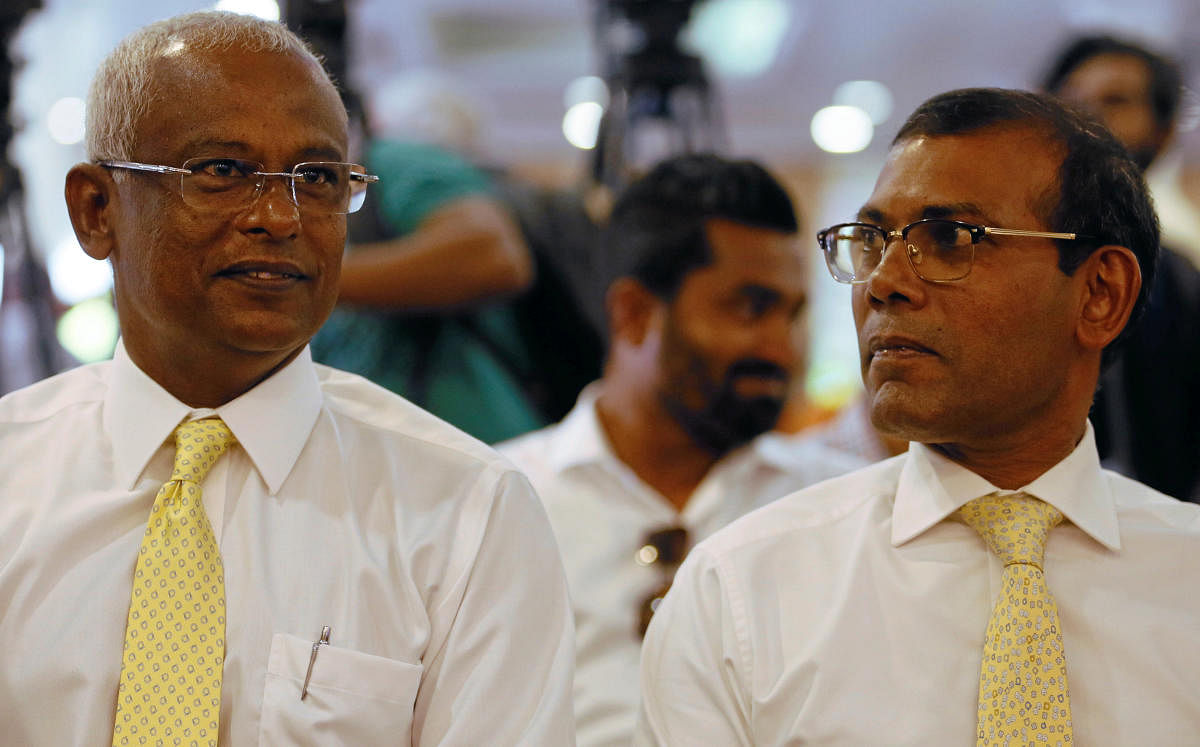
312	659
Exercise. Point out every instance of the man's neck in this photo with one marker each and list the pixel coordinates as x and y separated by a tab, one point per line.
1015	462
198	381
652	444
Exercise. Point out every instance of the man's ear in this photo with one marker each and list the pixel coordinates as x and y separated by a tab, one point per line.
631	309
91	192
1112	279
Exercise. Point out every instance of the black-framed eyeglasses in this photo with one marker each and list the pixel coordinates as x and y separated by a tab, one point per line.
665	550
939	250
218	184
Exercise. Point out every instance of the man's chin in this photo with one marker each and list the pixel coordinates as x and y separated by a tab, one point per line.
738	426
268	332
757	388
728	421
900	417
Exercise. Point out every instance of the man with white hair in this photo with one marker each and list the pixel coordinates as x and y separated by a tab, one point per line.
323	562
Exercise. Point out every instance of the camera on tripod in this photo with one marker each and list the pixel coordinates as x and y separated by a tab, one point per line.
660	100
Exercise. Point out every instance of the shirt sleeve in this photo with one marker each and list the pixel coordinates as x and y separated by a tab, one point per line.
502	673
693	670
417	179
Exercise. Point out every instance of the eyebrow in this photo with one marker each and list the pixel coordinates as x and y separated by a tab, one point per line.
759	293
766	297
869	214
210	146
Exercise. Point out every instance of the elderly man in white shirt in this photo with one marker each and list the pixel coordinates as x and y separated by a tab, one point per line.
993	585
667	448
358	571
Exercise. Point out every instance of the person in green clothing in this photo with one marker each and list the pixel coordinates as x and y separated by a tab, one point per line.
423	305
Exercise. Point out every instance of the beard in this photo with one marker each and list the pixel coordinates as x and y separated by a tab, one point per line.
727	419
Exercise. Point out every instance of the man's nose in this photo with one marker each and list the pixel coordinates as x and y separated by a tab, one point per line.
779	341
274	210
895	278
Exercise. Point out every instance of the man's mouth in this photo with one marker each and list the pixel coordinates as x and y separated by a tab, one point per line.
264	273
268	275
897	347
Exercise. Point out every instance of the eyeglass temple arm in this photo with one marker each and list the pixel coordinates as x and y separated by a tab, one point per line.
135	166
155	168
1035	234
354	175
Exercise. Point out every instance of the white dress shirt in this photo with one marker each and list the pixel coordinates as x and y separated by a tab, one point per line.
601	511
428	556
853	613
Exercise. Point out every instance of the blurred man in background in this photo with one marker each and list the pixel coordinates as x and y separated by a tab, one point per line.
1147	409
705	321
433	259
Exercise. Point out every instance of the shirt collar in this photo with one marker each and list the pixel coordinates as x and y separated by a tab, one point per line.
931	487
580	439
272	421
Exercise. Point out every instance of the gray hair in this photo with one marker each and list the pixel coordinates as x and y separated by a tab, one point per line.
120	93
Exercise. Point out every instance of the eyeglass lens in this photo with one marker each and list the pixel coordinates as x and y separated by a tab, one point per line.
938	250
220	184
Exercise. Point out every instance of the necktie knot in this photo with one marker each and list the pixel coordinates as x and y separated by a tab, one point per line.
198	444
1014	526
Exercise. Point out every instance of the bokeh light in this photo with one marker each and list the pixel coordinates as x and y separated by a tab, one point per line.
871	96
586	88
75	276
740	38
89	330
64	120
581	124
842	129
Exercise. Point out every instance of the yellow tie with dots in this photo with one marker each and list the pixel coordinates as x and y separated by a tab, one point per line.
170	687
1023	697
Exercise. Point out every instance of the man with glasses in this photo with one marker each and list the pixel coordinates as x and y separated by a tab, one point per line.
705	316
210	537
993	585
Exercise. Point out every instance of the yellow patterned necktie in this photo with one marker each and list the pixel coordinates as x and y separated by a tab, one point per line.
170	687
1023	697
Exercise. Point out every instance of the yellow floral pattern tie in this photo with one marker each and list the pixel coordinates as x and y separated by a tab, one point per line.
170	686
1023	697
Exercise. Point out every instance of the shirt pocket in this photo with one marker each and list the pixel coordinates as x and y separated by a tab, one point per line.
353	698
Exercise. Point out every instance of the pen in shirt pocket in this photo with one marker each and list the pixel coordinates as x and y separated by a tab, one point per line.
312	659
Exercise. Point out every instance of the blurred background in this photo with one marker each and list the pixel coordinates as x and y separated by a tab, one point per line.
814	89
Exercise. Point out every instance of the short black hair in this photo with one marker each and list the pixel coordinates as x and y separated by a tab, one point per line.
656	231
1101	192
1166	78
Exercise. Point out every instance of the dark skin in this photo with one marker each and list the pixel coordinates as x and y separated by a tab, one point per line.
1116	88
212	303
997	370
744	304
468	251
